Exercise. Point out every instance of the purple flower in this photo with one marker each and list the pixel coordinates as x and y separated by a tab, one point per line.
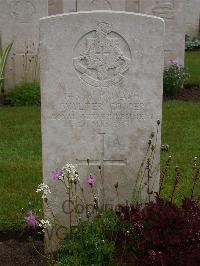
174	62
90	180
31	220
56	174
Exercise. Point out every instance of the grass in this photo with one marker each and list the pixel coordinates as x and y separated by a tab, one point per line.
20	155
20	163
180	129
192	63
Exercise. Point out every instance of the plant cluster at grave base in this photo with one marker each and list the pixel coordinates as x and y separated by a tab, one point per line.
159	233
88	243
192	44
174	78
23	94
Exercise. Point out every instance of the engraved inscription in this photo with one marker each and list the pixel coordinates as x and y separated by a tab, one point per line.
100	4
164	9
100	60
23	10
119	107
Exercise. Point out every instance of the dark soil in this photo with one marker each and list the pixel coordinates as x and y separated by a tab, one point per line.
3	101
17	249
194	49
189	94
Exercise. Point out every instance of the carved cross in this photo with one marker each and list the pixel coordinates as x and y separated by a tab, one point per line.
103	162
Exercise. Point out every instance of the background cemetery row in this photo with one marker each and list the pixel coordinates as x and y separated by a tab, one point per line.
19	22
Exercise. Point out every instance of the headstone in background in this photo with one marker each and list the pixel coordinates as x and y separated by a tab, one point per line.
132	5
88	5
19	22
101	86
192	17
172	11
55	7
69	6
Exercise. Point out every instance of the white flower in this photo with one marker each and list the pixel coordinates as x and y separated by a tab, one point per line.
69	169
44	189
44	224
70	172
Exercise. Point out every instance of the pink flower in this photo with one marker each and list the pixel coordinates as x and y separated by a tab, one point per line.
90	180
56	174
31	220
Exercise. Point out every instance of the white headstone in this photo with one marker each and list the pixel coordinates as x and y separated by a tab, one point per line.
88	5
172	11
19	22
192	17
101	85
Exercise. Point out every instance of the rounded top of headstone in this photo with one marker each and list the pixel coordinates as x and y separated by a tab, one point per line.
111	13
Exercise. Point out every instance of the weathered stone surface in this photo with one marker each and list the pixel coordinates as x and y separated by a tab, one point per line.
172	11
132	5
88	5
19	22
69	6
55	7
101	85
192	17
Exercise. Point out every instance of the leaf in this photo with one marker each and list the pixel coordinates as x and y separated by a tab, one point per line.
3	58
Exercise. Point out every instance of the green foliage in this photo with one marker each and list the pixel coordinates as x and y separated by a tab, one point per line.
137	236
3	59
192	44
88	243
173	78
24	94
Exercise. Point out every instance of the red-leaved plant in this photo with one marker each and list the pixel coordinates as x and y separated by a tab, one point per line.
160	233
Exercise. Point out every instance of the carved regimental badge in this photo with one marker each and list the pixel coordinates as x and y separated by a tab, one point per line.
102	57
